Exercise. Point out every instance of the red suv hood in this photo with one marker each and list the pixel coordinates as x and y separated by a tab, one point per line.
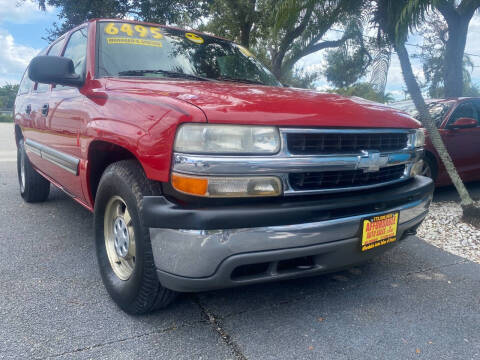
224	102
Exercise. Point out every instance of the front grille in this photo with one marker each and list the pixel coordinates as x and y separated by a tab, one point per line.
334	143
344	179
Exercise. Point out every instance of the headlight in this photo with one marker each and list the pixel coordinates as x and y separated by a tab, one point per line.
213	186
227	139
420	137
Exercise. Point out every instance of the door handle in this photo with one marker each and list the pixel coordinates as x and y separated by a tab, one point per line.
45	108
28	109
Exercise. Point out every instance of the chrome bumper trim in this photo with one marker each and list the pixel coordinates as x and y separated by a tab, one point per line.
198	253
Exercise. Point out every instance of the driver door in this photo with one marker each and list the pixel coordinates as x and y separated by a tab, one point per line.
464	144
67	119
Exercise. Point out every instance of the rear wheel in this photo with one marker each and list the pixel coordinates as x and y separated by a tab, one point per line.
33	186
123	245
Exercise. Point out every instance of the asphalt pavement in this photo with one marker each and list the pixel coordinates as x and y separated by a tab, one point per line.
414	302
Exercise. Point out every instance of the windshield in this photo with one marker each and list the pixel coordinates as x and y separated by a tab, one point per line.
129	49
437	110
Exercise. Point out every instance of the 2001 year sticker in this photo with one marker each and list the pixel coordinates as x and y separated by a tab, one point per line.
194	38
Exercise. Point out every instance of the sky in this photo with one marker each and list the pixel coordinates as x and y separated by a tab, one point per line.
22	29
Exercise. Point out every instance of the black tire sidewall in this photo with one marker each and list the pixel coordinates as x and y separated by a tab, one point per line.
124	292
432	165
20	154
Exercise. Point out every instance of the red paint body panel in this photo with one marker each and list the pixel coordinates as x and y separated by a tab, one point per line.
142	116
226	102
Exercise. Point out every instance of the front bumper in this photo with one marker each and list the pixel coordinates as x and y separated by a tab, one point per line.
193	251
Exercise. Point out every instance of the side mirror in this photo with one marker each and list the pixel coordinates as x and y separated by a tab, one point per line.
56	70
463	123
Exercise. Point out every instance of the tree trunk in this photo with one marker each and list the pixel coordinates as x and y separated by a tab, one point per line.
277	60
245	35
454	52
429	124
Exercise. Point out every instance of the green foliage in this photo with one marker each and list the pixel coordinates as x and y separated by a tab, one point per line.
457	15
345	68
6	118
281	32
7	96
435	33
300	25
299	78
75	12
237	20
365	91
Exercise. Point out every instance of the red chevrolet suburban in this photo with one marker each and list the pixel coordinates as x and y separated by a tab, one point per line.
202	170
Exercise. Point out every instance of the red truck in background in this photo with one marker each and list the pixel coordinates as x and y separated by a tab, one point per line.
458	121
202	170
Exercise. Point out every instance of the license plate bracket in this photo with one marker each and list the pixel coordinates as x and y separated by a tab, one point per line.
379	230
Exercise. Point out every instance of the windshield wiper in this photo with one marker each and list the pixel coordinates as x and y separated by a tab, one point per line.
172	74
247	81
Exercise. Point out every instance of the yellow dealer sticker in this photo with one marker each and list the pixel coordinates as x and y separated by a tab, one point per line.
133	41
245	51
379	230
194	38
135	31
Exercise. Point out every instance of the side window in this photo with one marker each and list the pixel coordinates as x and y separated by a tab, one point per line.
76	50
477	108
41	87
464	110
54	50
26	84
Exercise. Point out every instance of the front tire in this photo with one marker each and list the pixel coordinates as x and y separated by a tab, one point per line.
429	168
122	241
33	186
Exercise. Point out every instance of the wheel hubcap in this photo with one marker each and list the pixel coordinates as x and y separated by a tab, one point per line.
119	238
122	238
426	171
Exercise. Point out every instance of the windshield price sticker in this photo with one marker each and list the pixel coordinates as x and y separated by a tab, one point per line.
194	38
379	230
137	31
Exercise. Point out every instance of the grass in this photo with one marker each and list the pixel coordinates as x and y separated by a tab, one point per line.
6	118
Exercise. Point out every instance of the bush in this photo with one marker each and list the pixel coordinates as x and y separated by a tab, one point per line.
6	118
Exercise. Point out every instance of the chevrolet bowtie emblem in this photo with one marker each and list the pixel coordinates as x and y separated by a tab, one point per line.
371	161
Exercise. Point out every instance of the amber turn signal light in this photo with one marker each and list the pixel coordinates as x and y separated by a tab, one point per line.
218	186
190	185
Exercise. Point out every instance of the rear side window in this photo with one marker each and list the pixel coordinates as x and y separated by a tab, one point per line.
55	50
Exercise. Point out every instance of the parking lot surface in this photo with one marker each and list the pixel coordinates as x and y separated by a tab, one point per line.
414	302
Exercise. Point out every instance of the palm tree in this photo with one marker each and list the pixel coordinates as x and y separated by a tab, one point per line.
457	15
393	26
